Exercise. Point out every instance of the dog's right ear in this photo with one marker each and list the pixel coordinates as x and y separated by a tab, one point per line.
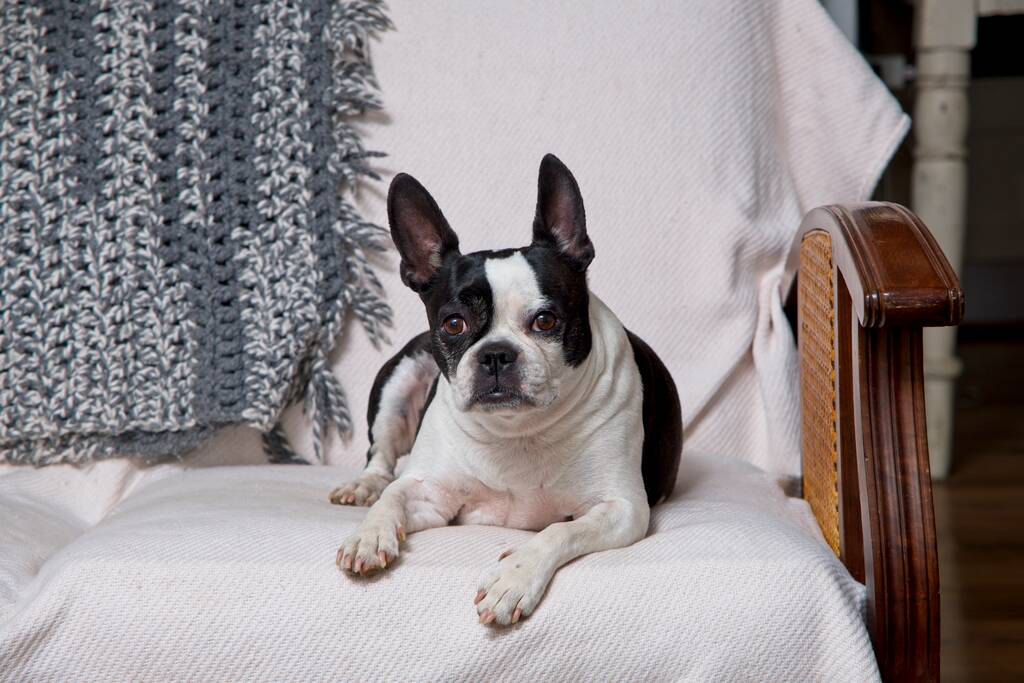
420	231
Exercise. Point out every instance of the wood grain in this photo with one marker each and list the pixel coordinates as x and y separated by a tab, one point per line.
850	505
891	279
895	271
900	551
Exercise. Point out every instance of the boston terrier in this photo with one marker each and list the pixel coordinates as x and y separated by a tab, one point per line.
526	404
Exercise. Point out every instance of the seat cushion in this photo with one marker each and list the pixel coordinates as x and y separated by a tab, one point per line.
228	573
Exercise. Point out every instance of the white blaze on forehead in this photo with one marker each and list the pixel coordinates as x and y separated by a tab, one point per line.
514	289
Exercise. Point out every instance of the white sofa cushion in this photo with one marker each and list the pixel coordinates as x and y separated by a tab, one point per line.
228	574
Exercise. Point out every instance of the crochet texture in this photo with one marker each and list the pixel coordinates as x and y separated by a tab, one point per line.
175	251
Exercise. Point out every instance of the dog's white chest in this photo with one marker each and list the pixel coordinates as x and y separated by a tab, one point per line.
533	508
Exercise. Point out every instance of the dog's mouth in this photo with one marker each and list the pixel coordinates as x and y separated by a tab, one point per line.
499	397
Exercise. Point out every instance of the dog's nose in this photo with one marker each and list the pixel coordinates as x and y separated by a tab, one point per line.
497	356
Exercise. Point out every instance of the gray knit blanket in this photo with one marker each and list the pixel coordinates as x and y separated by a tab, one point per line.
176	253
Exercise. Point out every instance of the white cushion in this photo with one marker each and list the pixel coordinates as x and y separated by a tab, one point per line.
228	574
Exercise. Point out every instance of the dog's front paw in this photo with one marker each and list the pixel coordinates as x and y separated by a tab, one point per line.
512	590
363	491
372	548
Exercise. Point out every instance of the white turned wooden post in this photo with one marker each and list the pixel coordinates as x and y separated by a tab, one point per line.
944	36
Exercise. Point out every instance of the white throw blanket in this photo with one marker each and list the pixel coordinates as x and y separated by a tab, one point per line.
227	574
700	133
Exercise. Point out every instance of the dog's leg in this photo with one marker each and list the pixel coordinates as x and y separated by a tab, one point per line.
514	587
407	505
379	472
400	395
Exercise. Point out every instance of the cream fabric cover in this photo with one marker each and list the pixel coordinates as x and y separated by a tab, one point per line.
227	574
700	133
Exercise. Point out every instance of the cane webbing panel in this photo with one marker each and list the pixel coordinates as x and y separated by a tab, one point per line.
818	383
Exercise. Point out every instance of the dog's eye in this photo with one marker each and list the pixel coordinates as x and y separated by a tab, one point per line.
545	321
455	325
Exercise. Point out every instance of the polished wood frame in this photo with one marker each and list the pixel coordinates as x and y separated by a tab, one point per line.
890	279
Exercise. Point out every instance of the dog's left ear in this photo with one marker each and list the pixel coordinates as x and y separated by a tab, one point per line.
560	221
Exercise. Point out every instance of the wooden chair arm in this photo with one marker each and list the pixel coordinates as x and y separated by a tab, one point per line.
894	269
870	277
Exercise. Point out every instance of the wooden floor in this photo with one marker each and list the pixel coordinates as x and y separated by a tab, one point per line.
980	520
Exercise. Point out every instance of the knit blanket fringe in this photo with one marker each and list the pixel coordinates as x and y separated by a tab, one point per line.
178	248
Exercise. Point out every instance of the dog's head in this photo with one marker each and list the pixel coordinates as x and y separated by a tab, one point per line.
506	326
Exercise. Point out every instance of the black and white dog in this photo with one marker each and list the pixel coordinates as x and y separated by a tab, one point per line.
527	404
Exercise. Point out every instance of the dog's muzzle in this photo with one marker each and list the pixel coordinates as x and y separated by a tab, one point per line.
497	383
